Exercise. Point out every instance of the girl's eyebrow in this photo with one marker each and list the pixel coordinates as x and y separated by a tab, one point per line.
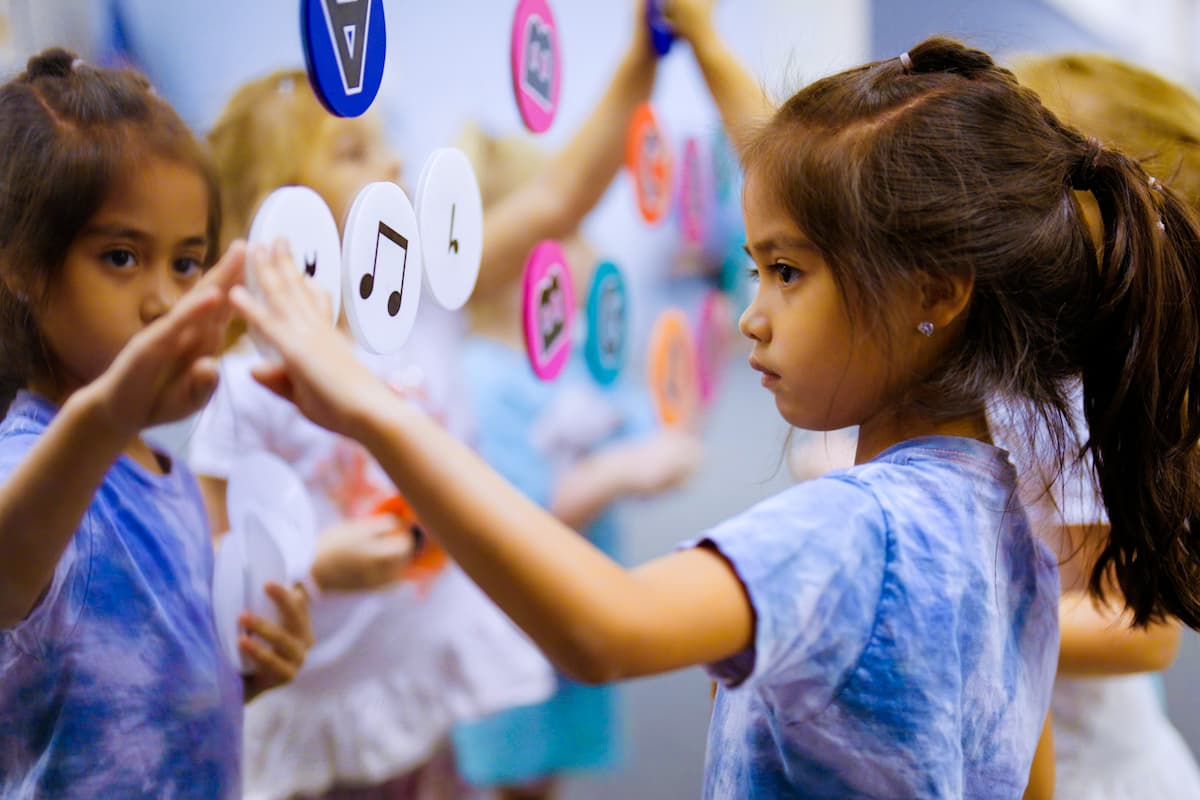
124	232
777	243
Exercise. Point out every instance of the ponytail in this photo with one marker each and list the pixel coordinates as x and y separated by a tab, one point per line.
1140	364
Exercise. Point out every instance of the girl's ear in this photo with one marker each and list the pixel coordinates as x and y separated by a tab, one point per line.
944	297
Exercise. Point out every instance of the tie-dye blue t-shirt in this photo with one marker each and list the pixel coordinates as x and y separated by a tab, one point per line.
114	686
906	634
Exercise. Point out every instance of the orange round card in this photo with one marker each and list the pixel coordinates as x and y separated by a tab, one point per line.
648	157
671	370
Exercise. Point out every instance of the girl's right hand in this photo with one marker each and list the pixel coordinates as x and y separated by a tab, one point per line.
167	371
362	554
689	18
316	369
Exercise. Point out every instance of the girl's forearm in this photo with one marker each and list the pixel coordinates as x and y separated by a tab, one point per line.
566	594
1098	641
44	498
739	97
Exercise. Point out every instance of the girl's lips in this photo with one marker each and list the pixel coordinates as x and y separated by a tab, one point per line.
768	377
757	366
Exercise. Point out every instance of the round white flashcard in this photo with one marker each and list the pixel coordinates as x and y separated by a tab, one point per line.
298	214
265	485
229	594
265	562
450	218
381	254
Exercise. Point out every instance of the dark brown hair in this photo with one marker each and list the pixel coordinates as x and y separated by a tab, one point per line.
67	131
940	164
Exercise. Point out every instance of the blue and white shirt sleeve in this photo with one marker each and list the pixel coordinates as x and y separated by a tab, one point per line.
811	560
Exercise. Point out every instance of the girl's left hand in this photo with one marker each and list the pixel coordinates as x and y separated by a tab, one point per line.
277	650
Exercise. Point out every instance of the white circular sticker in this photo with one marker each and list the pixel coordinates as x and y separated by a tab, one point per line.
382	273
450	217
263	484
229	594
265	561
298	214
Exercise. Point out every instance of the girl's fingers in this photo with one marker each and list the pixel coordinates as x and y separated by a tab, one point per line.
229	271
277	640
268	659
293	610
257	316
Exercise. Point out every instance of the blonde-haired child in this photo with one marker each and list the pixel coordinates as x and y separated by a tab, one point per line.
396	663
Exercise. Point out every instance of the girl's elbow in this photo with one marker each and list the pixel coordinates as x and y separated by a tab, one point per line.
594	658
1160	651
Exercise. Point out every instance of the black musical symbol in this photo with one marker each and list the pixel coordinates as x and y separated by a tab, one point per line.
612	321
310	264
552	311
538	76
453	242
346	21
367	284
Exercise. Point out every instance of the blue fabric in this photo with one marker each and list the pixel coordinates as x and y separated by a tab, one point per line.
579	727
906	634
115	686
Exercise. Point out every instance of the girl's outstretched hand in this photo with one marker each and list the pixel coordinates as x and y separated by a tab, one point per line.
278	650
167	370
315	367
690	18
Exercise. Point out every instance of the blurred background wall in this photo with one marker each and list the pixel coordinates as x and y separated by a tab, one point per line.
447	64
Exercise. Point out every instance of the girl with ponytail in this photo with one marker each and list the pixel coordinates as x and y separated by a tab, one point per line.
887	630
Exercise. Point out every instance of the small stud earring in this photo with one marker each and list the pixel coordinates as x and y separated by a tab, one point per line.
926	328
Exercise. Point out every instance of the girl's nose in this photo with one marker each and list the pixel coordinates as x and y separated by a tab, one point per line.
753	323
160	295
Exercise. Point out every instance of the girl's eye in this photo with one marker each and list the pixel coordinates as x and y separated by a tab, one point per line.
752	274
787	273
121	259
188	266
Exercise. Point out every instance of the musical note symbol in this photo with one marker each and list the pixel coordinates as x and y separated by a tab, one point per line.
537	79
453	242
310	264
367	284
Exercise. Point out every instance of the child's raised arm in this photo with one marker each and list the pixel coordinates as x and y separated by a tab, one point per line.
162	374
553	203
739	97
593	618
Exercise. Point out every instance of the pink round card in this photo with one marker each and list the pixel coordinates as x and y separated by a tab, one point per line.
536	64
693	194
713	340
547	310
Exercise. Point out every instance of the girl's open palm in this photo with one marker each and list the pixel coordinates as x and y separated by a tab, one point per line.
315	367
167	371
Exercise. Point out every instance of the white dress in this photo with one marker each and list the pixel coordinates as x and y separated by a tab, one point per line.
392	670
